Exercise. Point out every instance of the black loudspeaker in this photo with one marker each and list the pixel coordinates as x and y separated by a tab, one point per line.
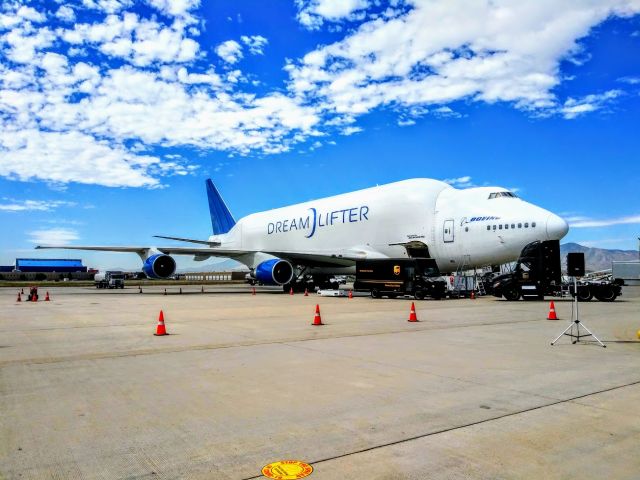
575	264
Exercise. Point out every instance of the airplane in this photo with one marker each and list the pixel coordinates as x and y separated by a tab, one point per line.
306	244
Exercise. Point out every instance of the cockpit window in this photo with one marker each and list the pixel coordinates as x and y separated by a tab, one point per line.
502	194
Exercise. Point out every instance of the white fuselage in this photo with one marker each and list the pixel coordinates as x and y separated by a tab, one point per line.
475	226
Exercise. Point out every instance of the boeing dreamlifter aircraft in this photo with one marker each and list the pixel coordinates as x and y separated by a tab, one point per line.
411	218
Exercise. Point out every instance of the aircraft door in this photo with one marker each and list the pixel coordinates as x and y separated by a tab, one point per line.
448	234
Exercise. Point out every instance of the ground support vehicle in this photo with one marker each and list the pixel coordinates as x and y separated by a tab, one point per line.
109	279
392	277
538	273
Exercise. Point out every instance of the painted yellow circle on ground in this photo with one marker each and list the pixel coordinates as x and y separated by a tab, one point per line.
287	470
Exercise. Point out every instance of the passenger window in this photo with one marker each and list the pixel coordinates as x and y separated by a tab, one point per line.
506	226
533	225
494	227
500	226
513	225
488	227
526	225
466	229
519	225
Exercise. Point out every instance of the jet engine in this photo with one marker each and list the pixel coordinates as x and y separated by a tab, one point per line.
159	266
274	272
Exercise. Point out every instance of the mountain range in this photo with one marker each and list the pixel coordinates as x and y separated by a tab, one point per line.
597	258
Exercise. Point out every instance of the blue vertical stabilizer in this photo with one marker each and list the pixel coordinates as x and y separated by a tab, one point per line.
221	219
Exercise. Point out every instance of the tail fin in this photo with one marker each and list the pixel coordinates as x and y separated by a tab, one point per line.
221	219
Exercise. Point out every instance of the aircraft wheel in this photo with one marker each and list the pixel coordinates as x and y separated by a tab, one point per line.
375	294
419	295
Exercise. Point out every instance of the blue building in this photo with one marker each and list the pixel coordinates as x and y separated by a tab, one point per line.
59	265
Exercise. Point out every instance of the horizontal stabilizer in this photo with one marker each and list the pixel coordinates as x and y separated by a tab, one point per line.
221	219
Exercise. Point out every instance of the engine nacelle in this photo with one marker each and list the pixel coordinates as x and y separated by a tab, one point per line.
274	272
159	266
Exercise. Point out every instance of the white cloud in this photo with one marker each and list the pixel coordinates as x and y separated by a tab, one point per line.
12	205
107	6
585	222
90	100
230	51
66	13
142	42
573	108
439	52
312	13
460	182
54	236
175	8
255	43
73	157
630	80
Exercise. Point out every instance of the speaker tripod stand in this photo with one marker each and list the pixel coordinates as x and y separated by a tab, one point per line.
576	323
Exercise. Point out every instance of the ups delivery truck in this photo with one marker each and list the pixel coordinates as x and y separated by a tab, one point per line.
391	277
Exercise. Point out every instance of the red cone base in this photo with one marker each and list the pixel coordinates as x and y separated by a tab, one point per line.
412	315
291	291
46	298
317	320
253	291
161	329
552	312
306	292
350	293
473	295
18	299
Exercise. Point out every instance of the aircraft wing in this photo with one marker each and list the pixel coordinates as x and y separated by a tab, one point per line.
344	258
318	259
138	250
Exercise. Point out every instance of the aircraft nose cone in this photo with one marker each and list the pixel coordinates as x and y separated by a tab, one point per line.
556	227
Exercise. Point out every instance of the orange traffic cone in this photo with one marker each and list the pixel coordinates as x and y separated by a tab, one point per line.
165	291
140	289
18	299
552	312
350	293
473	295
46	298
253	291
306	292
180	290
291	291
317	320
202	289
160	329
412	315
22	291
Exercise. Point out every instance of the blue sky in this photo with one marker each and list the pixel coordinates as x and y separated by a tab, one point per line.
114	112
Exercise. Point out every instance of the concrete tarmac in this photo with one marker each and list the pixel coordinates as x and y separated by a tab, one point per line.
474	390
